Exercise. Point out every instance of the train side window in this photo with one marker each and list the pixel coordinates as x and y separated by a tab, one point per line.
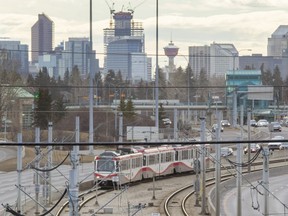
138	162
184	154
163	158
144	161
176	155
191	153
169	156
152	159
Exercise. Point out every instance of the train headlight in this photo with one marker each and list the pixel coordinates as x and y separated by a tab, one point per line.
115	179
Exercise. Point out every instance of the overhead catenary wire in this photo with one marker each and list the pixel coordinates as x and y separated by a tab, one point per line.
53	168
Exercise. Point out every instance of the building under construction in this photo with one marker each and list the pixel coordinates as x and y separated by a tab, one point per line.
124	47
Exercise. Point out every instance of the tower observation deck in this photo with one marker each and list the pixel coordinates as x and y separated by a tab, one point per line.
171	51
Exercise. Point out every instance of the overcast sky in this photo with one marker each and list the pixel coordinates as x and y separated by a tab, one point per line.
245	23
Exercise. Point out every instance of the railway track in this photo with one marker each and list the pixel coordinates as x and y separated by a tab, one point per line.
89	196
185	192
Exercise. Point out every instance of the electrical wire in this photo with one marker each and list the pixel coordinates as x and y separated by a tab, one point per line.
55	204
53	168
10	210
248	162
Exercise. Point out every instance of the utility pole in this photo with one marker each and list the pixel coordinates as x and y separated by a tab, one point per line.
19	171
203	166
157	77
266	179
218	165
91	125
239	168
73	174
50	161
175	125
120	127
37	164
249	138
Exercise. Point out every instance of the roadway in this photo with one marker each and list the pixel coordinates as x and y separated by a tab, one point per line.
253	202
7	152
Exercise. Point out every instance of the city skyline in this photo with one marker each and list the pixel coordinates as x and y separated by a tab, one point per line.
245	23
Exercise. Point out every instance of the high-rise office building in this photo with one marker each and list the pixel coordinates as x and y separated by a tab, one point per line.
42	37
77	53
215	59
14	56
199	59
224	57
278	42
124	47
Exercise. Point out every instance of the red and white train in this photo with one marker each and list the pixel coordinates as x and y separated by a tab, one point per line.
113	168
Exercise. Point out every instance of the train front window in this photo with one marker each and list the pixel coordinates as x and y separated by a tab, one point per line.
106	165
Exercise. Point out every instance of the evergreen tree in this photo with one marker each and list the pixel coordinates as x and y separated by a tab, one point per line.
30	80
130	111
267	78
43	109
162	113
122	105
59	110
277	83
191	82
142	90
162	84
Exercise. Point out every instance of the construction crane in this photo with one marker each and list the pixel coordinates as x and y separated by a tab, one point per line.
111	8
133	9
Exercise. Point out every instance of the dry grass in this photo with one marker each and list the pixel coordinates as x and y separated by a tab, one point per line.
58	157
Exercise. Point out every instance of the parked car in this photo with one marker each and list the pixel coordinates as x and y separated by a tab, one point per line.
253	123
166	121
275	126
226	151
254	147
276	143
215	126
283	146
262	123
225	123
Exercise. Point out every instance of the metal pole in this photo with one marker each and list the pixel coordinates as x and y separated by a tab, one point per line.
249	138
50	161
175	125
120	127
234	96
266	179
239	168
19	171
188	93
37	164
91	126
218	165
203	166
157	75
73	174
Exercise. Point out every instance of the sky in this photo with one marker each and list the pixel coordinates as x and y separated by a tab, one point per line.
246	23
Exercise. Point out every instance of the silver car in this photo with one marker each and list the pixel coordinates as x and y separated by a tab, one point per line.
262	123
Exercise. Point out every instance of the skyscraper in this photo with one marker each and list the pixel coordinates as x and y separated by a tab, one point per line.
76	53
14	56
278	41
124	47
42	36
215	59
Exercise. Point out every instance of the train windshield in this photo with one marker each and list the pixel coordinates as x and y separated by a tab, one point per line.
106	165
